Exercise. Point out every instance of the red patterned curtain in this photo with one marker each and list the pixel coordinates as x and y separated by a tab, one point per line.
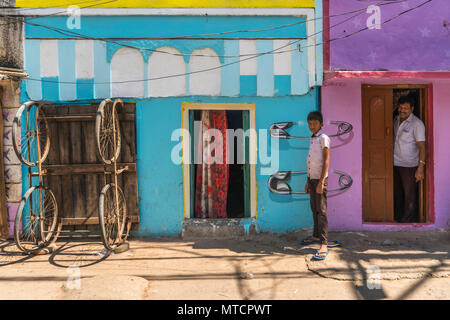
212	174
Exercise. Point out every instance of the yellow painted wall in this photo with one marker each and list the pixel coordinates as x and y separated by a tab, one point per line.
168	3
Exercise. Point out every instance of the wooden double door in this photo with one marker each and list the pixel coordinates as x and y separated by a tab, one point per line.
75	172
378	110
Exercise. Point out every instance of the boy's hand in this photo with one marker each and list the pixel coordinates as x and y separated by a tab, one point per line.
319	189
306	188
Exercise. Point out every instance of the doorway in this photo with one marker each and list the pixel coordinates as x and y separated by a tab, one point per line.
236	185
379	109
240	202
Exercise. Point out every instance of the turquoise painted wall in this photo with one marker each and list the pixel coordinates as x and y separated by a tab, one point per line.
161	181
129	27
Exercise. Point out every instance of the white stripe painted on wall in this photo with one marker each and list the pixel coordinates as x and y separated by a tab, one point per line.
282	62
84	53
204	83
300	12
161	65
311	27
127	73
248	67
49	58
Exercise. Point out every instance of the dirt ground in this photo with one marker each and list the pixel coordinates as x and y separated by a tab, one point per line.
369	265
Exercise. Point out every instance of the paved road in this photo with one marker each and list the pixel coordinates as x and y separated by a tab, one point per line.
370	265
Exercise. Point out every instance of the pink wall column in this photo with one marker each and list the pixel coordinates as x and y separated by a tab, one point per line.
441	114
12	210
341	100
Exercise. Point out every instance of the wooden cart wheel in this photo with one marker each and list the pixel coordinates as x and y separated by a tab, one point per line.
33	230
108	143
112	214
28	121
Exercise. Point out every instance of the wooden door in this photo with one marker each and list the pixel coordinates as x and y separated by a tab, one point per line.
424	188
75	173
378	155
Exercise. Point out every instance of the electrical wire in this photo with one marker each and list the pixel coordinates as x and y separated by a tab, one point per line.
81	36
21	17
46	8
204	70
253	56
71	33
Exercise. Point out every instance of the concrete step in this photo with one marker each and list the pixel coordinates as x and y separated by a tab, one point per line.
219	228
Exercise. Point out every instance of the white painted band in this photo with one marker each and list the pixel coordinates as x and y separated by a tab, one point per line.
305	12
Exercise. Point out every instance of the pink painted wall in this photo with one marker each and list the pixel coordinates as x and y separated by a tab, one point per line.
341	100
441	102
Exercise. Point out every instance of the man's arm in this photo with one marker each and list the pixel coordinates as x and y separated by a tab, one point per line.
420	173
419	135
325	166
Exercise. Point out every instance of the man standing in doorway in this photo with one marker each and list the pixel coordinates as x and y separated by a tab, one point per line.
409	160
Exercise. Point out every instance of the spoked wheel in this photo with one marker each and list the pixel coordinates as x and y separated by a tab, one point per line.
29	125
112	214
107	130
36	219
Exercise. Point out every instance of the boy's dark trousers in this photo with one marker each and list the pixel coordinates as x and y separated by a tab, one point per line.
319	209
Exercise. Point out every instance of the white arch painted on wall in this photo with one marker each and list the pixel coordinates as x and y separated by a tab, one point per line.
208	82
126	65
161	65
308	13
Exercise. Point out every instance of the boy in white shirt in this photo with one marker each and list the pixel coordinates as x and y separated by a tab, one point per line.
316	185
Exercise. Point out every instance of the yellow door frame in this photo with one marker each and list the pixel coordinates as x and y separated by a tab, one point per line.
186	149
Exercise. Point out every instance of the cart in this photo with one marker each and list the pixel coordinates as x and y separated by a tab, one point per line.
38	222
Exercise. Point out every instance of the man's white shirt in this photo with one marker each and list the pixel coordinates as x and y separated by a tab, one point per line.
406	134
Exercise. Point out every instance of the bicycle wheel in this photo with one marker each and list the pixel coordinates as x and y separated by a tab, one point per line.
108	144
33	231
112	214
25	134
